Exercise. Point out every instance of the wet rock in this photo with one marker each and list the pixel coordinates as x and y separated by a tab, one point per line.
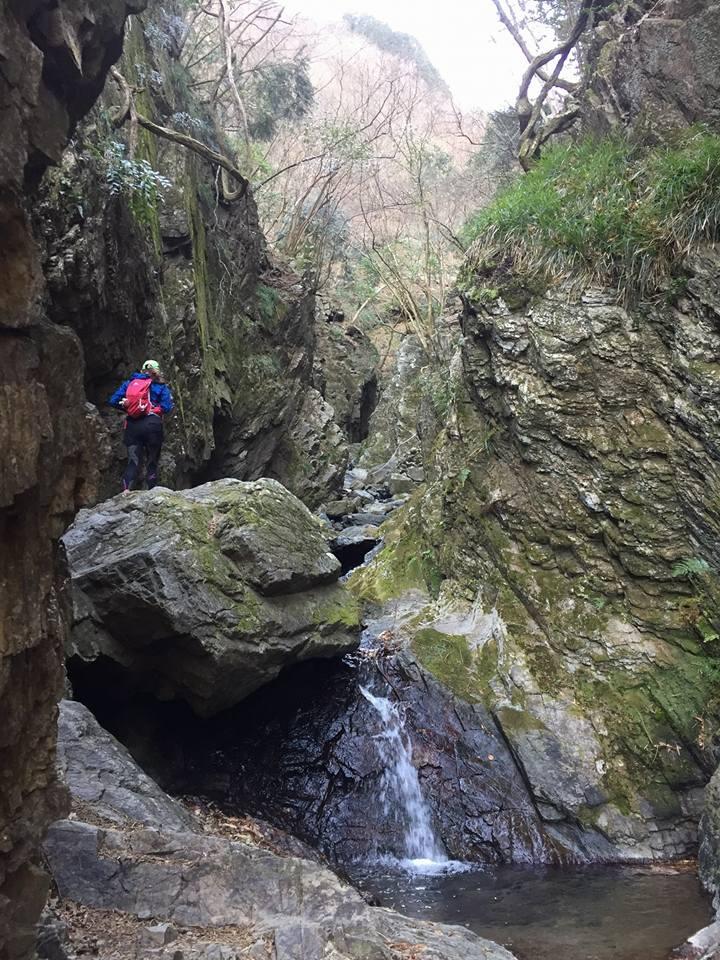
365	518
380	474
703	945
317	770
355	536
352	545
373	512
366	495
185	880
206	594
592	488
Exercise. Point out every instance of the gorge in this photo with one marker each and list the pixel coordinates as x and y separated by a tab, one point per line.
413	652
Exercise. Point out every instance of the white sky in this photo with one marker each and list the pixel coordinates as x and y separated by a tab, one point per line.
463	39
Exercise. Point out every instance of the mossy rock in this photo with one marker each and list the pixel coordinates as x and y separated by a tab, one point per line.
208	593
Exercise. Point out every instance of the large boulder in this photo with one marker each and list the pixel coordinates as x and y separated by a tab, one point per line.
206	594
155	864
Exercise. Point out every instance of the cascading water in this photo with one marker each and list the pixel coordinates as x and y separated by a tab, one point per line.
400	787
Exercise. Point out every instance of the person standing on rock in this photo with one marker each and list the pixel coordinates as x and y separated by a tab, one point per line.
145	398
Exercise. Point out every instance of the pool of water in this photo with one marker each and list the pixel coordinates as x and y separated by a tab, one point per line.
607	913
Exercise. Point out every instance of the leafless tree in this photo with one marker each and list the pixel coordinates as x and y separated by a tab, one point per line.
538	119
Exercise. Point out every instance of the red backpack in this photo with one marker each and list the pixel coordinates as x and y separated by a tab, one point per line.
137	396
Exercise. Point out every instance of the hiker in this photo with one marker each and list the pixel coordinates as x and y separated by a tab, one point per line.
145	397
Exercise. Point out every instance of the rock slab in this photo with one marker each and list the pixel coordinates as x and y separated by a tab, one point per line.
53	63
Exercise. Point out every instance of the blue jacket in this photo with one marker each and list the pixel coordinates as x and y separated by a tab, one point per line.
160	395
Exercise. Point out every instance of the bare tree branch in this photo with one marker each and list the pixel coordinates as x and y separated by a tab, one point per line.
127	109
517	36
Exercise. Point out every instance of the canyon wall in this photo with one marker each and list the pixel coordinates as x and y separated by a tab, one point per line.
53	64
568	534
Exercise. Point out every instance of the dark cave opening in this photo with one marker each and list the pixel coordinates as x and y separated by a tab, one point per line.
352	555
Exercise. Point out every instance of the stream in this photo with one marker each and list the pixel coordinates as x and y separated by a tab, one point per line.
593	913
589	913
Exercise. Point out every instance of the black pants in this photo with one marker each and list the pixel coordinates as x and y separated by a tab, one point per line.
142	437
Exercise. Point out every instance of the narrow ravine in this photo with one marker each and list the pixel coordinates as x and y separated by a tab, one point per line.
360	488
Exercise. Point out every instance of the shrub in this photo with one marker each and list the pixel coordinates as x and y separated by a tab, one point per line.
136	179
603	212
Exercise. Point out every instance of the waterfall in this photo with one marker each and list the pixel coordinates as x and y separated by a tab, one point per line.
400	786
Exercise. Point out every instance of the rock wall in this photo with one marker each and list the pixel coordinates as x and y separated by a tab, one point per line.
93	281
577	506
186	278
655	67
53	61
573	500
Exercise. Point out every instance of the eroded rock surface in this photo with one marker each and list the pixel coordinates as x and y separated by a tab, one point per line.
345	373
53	62
657	67
205	594
572	505
303	753
188	279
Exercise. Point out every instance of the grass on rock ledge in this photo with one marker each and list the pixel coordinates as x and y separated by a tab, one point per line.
601	212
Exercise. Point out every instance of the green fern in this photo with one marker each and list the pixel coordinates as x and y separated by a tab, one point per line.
690	566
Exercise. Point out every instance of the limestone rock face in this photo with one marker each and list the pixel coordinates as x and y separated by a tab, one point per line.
314	454
600	479
189	281
345	373
396	425
147	865
55	57
316	768
577	508
656	67
206	594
